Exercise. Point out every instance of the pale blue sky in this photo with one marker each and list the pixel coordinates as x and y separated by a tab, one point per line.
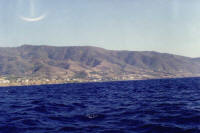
171	26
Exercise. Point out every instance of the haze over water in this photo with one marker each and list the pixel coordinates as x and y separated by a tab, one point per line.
150	106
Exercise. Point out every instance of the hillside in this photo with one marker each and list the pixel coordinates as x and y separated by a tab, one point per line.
92	63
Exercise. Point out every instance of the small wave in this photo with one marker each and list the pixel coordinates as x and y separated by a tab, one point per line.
152	106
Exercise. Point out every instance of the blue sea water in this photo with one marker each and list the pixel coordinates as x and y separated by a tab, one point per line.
150	106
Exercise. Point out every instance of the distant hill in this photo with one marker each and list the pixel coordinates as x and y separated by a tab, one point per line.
196	59
50	61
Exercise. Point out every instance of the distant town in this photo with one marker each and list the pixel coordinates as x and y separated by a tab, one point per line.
83	76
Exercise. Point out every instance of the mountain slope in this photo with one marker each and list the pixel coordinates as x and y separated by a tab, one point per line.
49	61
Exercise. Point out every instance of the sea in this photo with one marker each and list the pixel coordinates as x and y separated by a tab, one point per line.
145	106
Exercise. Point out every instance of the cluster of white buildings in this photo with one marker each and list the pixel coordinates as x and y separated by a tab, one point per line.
4	81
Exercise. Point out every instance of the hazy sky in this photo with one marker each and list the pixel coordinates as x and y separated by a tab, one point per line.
171	26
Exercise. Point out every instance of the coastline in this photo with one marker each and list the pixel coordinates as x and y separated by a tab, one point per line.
83	81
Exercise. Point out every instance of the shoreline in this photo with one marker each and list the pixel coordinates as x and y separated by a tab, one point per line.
83	82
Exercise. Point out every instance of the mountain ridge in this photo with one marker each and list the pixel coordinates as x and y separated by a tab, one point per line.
66	62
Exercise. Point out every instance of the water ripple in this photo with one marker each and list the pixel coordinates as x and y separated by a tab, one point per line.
150	106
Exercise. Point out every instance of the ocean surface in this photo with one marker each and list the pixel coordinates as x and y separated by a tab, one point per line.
150	106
